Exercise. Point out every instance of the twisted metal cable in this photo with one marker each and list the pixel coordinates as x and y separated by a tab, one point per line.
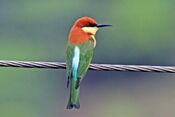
97	67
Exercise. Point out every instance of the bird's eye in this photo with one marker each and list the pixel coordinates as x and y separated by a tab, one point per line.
90	25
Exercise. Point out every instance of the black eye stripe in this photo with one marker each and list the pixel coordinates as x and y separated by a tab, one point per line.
90	25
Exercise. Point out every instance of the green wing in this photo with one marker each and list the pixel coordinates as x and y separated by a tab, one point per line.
86	54
69	58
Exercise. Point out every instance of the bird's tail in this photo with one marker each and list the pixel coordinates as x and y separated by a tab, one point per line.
74	95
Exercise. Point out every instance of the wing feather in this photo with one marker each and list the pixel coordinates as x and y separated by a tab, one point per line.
86	54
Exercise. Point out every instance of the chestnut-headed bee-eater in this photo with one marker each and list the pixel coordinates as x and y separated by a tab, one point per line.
79	53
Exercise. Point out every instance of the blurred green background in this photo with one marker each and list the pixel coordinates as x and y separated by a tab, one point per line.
143	32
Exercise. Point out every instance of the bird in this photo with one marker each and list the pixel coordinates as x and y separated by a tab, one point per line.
79	52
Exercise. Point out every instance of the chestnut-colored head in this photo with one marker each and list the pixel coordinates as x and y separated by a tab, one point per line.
87	24
83	29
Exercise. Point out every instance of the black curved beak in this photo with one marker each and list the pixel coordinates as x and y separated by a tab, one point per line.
103	25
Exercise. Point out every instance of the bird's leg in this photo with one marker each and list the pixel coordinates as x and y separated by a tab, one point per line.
77	83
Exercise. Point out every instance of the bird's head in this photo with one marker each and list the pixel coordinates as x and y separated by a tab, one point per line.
88	25
83	29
